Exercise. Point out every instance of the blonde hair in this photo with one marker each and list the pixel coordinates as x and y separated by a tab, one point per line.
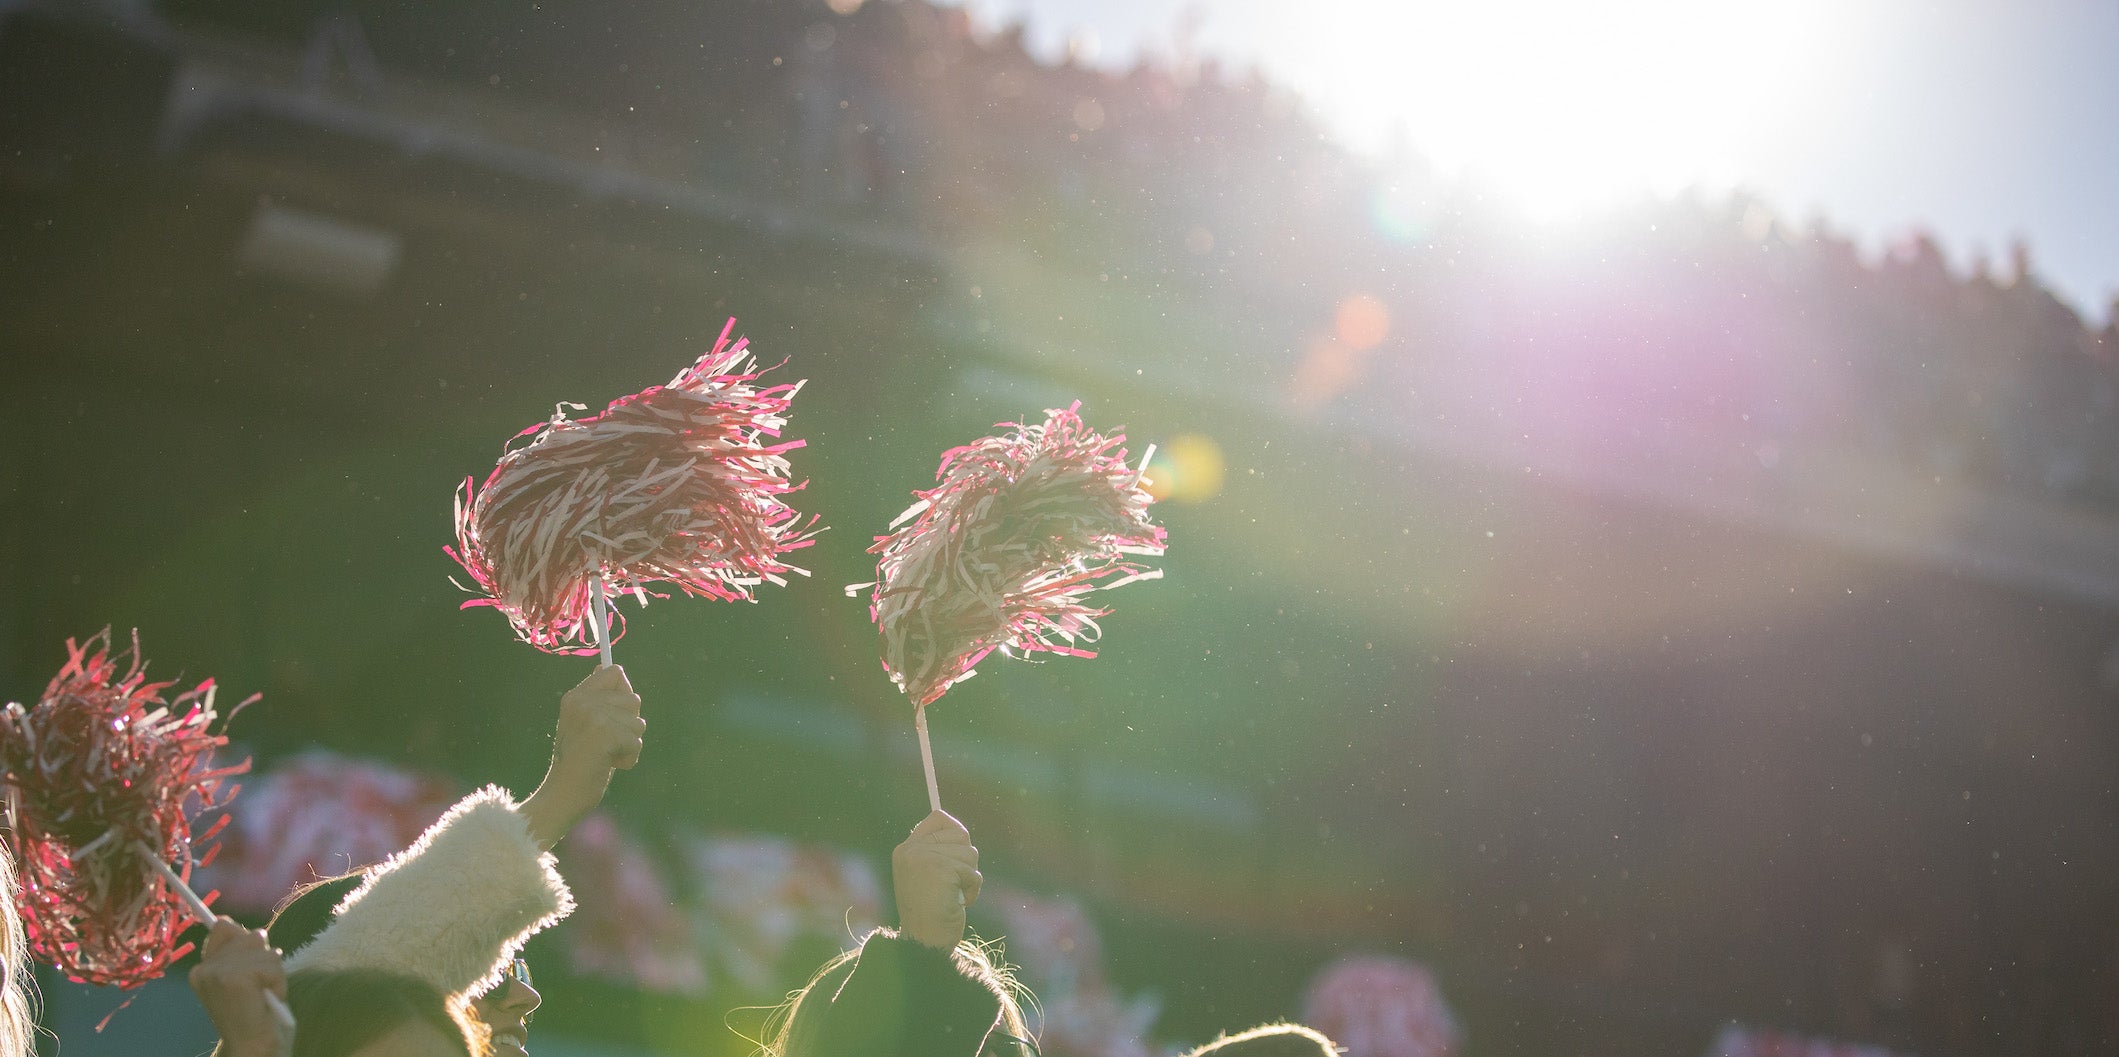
18	1021
791	1034
1270	1040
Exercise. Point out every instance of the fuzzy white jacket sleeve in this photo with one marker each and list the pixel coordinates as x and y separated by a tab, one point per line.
454	908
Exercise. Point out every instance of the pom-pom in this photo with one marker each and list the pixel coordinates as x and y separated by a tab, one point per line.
320	815
98	768
1003	551
679	484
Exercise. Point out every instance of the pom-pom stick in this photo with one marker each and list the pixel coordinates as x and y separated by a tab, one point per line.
919	724
603	620
204	915
680	484
200	912
100	767
1003	551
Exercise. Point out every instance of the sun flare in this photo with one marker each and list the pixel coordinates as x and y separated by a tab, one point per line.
1556	107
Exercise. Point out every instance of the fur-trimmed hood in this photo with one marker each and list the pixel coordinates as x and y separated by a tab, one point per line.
454	908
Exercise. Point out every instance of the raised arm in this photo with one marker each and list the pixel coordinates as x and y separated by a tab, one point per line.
599	731
456	907
910	993
935	873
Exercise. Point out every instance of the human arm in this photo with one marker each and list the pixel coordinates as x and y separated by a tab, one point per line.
599	730
237	979
458	904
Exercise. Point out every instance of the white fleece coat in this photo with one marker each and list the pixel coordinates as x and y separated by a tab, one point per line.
454	908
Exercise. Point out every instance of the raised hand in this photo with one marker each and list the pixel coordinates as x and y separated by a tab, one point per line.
238	978
936	874
599	730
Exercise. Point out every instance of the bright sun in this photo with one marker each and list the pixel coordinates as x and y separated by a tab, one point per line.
1559	105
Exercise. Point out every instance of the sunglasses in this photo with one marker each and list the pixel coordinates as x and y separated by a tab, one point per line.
518	971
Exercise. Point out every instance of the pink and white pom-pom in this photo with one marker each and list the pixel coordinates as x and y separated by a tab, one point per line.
1003	552
102	776
680	484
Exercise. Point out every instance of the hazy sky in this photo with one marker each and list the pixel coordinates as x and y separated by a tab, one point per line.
1982	120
